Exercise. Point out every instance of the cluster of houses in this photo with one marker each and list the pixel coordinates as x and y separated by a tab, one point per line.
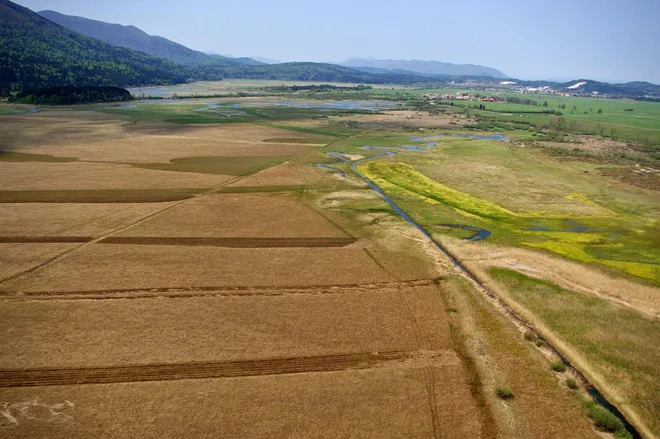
459	97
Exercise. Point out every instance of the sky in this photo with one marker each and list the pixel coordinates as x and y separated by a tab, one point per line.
610	40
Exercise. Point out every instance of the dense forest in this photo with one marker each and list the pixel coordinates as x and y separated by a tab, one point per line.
70	94
36	53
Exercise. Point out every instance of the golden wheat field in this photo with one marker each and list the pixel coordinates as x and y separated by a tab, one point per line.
146	295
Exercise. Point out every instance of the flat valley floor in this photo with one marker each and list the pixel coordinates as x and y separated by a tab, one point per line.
142	300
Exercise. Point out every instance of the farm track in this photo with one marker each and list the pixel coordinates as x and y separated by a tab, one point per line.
223	291
187	242
228	369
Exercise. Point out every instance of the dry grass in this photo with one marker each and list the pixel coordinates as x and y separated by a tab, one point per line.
406	118
385	402
568	274
79	176
291	174
113	141
540	408
111	267
612	346
16	258
172	307
593	144
221	326
239	215
65	219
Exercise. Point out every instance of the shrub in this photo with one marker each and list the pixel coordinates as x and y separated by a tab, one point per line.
571	383
504	392
623	434
529	336
558	366
603	418
541	343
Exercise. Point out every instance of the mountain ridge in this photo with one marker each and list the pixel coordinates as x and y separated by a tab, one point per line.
423	67
132	37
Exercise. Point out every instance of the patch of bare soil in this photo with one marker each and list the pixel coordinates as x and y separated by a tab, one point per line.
640	176
595	145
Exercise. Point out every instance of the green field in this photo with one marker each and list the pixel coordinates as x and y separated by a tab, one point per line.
611	341
524	197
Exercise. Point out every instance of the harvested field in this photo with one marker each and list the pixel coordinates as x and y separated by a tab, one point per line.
382	402
95	268
290	174
221	326
238	216
218	165
67	219
16	258
190	242
81	176
120	142
233	369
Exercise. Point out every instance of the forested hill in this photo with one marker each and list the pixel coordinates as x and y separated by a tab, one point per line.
36	53
131	37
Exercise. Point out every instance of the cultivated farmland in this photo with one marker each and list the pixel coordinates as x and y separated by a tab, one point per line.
165	276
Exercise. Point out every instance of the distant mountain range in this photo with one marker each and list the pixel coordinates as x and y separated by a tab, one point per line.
424	68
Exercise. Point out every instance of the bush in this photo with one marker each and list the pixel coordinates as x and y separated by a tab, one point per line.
541	343
571	383
603	418
529	336
623	434
558	366
504	392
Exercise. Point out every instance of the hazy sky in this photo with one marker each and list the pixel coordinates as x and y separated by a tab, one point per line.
613	40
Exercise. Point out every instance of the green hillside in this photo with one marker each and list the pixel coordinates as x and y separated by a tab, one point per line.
35	53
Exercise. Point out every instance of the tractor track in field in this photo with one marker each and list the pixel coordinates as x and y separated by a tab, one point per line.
225	369
211	291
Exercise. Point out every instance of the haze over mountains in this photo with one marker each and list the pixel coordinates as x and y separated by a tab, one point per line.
430	68
131	37
54	49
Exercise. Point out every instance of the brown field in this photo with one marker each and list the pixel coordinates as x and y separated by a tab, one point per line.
222	326
289	174
158	304
379	402
239	216
16	258
80	176
68	219
112	267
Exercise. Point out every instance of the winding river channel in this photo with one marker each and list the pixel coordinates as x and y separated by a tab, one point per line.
479	235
